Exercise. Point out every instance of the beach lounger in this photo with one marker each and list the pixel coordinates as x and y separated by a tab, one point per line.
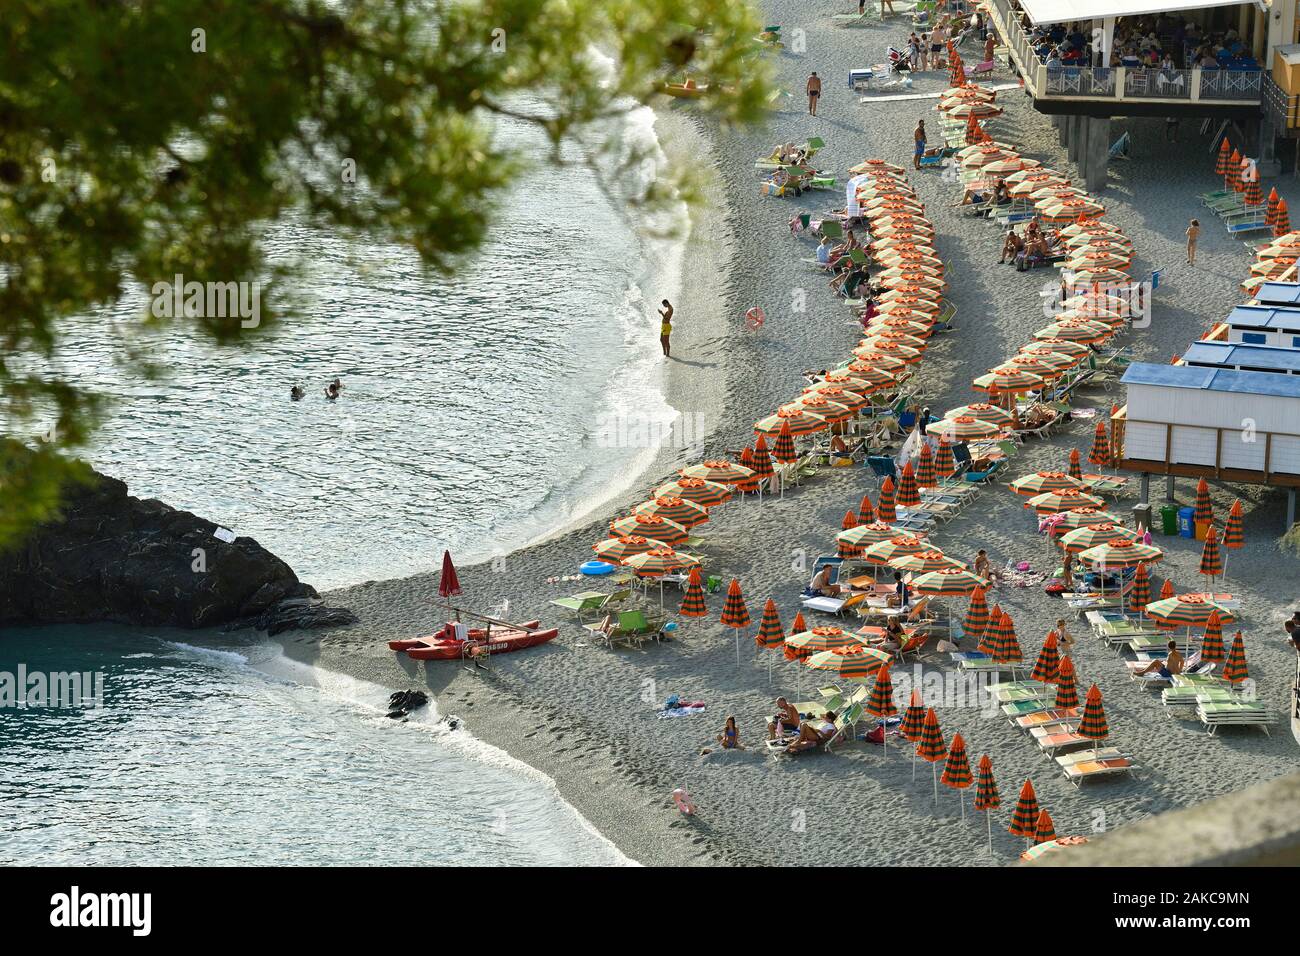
632	629
583	603
1014	694
826	605
1179	700
1050	740
1052	715
1087	765
1217	709
1021	708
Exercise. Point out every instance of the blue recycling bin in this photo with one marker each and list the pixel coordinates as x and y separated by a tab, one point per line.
1187	522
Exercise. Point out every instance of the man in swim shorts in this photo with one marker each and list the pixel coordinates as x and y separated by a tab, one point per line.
814	93
918	136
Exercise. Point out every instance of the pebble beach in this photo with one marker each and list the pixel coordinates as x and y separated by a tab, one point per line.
586	715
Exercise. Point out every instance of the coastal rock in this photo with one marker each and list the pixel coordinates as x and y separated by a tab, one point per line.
115	558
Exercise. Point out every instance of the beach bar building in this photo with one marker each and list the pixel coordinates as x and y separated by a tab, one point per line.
1227	409
1227	63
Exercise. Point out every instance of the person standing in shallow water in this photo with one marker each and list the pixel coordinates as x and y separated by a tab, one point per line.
666	327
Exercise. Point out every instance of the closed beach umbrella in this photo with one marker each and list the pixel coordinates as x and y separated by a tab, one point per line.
925	472
1093	722
1006	648
866	512
1211	562
1204	509
448	580
1024	819
1187	610
698	490
650	526
1075	471
616	549
1099	454
693	601
721	472
948	582
1270	213
962	428
989	636
1233	536
1234	668
913	724
1050	502
1253	195
983	411
1221	160
1212	643
858	662
908	496
1081	539
931	747
763	458
1044	830
1043	481
734	613
868	534
1139	596
1283	224
798	421
678	510
881	702
886	551
1232	176
1067	695
770	634
1166	594
944	462
956	770
885	510
987	798
847	550
977	614
783	451
923	562
1047	667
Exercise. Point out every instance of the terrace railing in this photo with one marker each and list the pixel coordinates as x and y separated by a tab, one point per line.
1092	82
1232	85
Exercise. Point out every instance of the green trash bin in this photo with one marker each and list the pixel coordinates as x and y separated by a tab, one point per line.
1169	519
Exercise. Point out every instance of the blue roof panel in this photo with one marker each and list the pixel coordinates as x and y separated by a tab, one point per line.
1213	379
1265	317
1269	358
1279	293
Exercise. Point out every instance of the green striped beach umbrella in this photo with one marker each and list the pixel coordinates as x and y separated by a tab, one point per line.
678	510
1068	499
1234	669
1093	722
650	526
865	535
1084	518
1081	539
1212	643
1075	471
886	551
1140	594
698	490
1187	610
1204	509
615	550
977	614
956	770
850	663
944	462
1006	649
931	747
693	601
1041	482
913	724
1211	560
1044	829
734	613
1048	666
924	562
866	512
987	798
948	582
1024	818
925	470
885	507
783	451
908	496
826	638
881	702
1233	536
847	550
989	635
762	459
1067	694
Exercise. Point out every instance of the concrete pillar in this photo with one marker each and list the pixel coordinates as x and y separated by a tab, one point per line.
1169	488
1076	134
1097	149
1146	488
1063	128
1290	508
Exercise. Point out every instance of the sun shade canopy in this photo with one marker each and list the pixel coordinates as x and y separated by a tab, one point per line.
1069	11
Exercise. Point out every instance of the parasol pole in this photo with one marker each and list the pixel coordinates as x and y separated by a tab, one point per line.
989	817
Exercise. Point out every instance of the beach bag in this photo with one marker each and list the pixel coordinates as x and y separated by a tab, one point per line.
876	736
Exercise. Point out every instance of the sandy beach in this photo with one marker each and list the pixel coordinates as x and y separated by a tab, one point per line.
586	715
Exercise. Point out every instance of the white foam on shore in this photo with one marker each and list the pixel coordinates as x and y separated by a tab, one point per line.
271	661
225	657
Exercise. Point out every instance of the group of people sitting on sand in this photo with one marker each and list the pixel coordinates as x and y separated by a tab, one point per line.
789	154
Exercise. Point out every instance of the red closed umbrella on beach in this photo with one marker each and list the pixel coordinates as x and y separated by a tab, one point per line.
1099	455
750	484
885	510
1006	649
847	550
734	613
1204	509
989	634
1212	643
881	702
1067	694
762	459
908	496
1233	536
1232	174
1024	819
913	723
866	513
956	770
977	614
1234	669
1044	830
1211	561
1166	592
448	581
1253	195
1270	213
931	747
987	798
1048	666
693	601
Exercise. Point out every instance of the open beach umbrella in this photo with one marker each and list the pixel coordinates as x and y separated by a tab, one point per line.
1024	819
1235	670
917	328
797	421
931	747
1041	482
866	512
1084	518
1211	561
962	428
1075	471
448	580
1044	830
693	601
956	770
719	472
1047	667
1120	553
1060	361
615	550
823	638
650	526
734	613
1090	260
867	346
886	551
1093	722
1096	274
983	411
881	702
1050	502
657	563
858	662
1047	371
1139	596
1187	610
1204	509
977	614
1067	695
1212	642
877	166
976	108
925	471
821	406
1272	268
913	724
1081	539
869	353
889	363
1099	239
1283	224
885	509
923	562
1013	164
1039	180
1009	380
678	510
1067	210
1075	350
1092	225
783	451
987	798
847	550
908	496
698	490
868	534
948	582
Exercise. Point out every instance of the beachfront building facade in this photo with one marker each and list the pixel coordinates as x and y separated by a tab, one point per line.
1085	62
1228	408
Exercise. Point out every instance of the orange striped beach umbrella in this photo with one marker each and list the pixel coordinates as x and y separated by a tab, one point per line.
1048	666
770	634
798	421
1204	509
865	535
1270	214
847	550
1099	454
1075	471
783	451
1166	594
1221	161
962	428
948	582
650	526
1234	669
1041	482
750	484
925	471
1212	643
987	798
1120	553
1084	518
824	638
913	723
698	490
823	406
1211	561
1067	694
1009	380
720	472
1006	649
762	459
956	770
881	702
1093	722
616	549
734	613
989	634
685	513
886	551
1233	535
924	562
908	496
977	614
693	601
984	411
1074	331
931	747
1232	174
866	513
1283	224
944	462
854	401
1140	594
1081	539
885	510
1253	194
660	561
1044	830
1025	817
1051	502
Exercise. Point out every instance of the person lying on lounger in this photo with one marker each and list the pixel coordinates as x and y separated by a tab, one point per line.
785	716
1171	665
976	194
813	733
821	583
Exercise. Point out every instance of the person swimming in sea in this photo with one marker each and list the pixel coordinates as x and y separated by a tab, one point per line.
334	389
296	393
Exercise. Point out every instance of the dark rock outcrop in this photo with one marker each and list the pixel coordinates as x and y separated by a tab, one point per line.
115	558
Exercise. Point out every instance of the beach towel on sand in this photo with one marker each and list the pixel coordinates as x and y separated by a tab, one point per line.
684	709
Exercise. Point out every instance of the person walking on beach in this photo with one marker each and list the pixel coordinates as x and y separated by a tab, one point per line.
666	327
814	93
918	136
1193	233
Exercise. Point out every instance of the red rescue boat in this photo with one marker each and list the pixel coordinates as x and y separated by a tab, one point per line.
445	646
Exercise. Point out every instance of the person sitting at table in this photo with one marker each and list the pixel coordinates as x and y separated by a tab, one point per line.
821	586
